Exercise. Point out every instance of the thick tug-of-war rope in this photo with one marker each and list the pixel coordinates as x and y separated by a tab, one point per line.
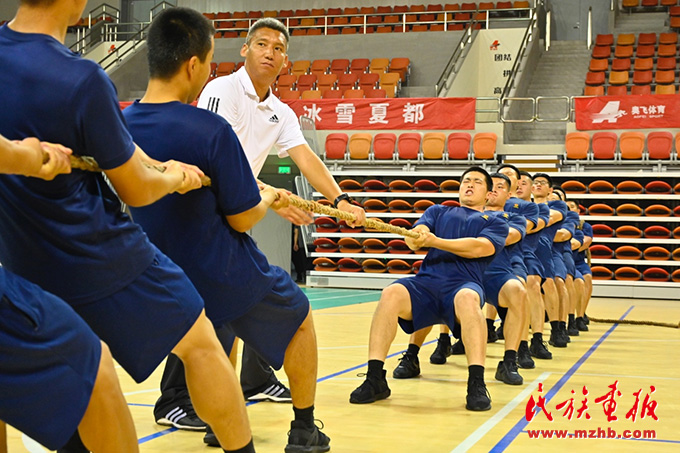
636	323
89	164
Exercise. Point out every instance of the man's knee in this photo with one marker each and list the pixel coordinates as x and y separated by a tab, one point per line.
466	303
395	299
201	339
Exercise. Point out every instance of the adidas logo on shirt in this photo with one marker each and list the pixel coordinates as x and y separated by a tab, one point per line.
274	119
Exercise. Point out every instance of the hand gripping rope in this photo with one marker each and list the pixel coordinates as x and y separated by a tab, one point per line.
89	164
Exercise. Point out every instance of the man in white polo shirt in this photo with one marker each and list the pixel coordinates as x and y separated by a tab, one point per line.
261	121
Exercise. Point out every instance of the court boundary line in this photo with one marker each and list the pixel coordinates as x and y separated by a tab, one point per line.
522	423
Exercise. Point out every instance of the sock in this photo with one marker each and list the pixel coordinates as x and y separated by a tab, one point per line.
413	349
304	415
563	325
571	318
510	356
375	368
555	326
538	336
445	338
489	324
247	449
475	371
524	342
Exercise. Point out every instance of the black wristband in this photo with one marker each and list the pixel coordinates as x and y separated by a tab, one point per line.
339	198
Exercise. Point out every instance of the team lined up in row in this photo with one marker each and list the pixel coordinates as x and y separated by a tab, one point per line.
524	258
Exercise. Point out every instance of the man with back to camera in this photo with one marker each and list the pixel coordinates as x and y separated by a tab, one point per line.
69	235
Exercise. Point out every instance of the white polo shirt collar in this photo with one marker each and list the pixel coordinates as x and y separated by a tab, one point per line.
249	89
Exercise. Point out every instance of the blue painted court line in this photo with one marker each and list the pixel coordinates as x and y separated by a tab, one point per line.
522	423
156	435
139	404
665	441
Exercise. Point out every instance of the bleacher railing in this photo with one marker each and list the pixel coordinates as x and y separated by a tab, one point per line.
102	25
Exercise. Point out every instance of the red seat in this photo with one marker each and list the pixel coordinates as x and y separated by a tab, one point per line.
631	145
645	39
641	89
458	145
659	144
604	40
665	64
604	145
331	94
347	81
577	145
645	51
598	64
594	90
306	82
595	78
359	65
339	66
368	81
617	90
602	52
621	64
376	93
286	82
383	145
642	77
336	145
408	145
664	77
668	38
326	82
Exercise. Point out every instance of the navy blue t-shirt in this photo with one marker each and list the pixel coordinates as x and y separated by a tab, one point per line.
460	222
548	233
67	235
587	229
227	268
530	242
530	212
505	259
569	223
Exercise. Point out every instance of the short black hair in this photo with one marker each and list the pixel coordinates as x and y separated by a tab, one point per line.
525	173
560	190
268	22
176	35
511	167
487	178
503	177
544	175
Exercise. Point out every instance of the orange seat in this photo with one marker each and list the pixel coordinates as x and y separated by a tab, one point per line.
286	82
353	94
336	145
375	93
359	145
401	66
625	39
659	144
320	67
290	95
643	64
597	65
390	82
326	82
618	77
667	50
379	65
484	145
631	145
300	67
331	94
433	145
664	89
408	145
311	94
383	145
521	4
668	38
664	77
604	145
577	145
594	90
623	51
458	145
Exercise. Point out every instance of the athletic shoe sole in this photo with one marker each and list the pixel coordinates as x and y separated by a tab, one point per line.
166	422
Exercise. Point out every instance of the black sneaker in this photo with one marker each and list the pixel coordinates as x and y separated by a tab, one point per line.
556	339
210	438
565	334
572	330
499	331
507	372
305	439
409	367
371	390
182	416
524	359
539	350
458	348
491	336
442	351
586	319
478	398
581	324
275	392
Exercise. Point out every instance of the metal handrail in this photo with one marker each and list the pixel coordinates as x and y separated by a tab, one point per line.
504	102
95	17
121	51
589	39
159	7
442	84
548	29
537	113
528	36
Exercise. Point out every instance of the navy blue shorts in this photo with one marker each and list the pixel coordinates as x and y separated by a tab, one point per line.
534	266
569	263
49	360
432	301
144	321
558	265
583	268
544	254
520	270
493	283
578	275
269	326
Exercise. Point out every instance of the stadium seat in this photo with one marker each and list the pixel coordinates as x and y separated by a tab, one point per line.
629	209
658	210
604	145
386	9
601	251
326	225
643	64
484	145
400	66
353	94
573	186
601	186
311	94
676	257
347	81
604	40
375	205
400	185
618	78
658	187
375	185
375	93
320	67
577	145
603	231
628	231
426	185
379	65
339	66
400	206
625	39
664	77
399	266
595	78
600	209
350	245
286	82
620	64
655	274
594	90
601	52
666	50
458	145
627	273
408	145
617	90
433	145
664	89
300	67
468	7
368	81
646	39
289	95
628	252
383	146
631	145
668	38
675	276
659	144
623	51
390	82
658	232
225	68
645	51
331	94
629	187
666	64
422	205
598	65
641	89
360	145
359	65
349	265
325	245
326	82
322	264
336	145
601	273
306	82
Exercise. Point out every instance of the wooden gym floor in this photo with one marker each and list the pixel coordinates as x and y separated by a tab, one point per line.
427	414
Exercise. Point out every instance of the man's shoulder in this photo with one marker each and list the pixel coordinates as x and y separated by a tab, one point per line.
220	86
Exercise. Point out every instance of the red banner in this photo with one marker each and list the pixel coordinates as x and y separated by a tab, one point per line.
628	112
391	113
